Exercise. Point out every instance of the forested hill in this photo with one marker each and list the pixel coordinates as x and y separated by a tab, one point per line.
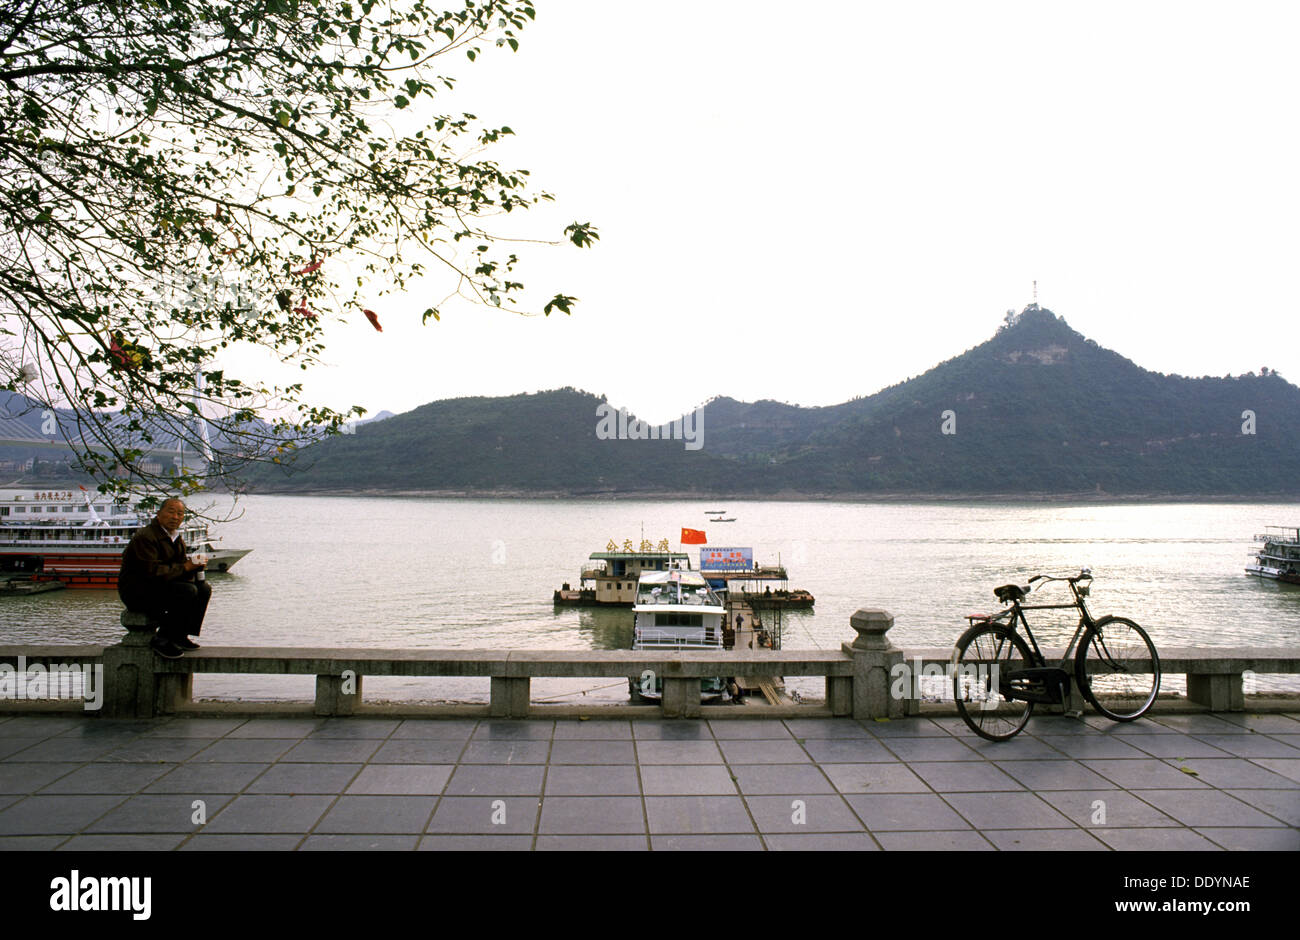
1037	409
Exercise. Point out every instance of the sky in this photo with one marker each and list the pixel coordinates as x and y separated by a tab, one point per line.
810	203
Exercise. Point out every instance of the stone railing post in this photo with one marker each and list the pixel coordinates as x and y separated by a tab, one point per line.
509	697
130	685
874	658
337	696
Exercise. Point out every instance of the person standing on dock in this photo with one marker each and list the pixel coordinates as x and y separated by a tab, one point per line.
158	579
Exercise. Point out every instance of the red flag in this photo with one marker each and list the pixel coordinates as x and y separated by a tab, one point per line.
693	537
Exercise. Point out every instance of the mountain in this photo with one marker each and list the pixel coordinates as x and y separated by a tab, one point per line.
1037	409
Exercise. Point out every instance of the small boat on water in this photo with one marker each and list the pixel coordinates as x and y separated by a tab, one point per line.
611	579
58	535
676	610
1279	557
732	519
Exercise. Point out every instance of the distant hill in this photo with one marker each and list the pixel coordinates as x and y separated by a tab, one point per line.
1037	409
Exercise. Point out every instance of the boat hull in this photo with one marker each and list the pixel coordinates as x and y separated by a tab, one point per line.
96	568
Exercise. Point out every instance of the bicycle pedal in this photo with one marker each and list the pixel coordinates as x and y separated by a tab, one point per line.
1075	713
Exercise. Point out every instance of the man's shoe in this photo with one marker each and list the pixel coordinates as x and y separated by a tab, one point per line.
165	648
186	644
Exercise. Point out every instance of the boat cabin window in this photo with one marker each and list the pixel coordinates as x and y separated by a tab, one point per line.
679	620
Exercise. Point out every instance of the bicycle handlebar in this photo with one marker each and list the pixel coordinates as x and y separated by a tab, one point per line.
1085	574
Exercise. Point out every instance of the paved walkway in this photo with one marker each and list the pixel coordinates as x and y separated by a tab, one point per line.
1172	782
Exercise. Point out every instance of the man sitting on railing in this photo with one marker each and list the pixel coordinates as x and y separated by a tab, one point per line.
158	579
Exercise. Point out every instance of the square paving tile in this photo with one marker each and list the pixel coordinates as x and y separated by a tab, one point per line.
1089	746
1250	745
706	843
1266	724
678	752
802	814
484	815
118	842
161	812
592	815
328	750
30	843
108	778
473	843
794	779
697	814
72	750
917	727
28	778
931	749
45	815
764	752
1255	840
1155	840
535	730
154	750
894	811
687	780
243	750
1062	774
305	778
671	731
1021	747
615	843
592	752
1149	773
749	729
874	778
38	726
207	778
1239	772
1107	809
493	780
958	776
852	750
378	814
204	842
357	728
606	780
520	751
402	779
987	811
419	751
960	841
277	728
1206	808
355	843
196	727
1283	804
817	728
1198	724
1044	840
267	813
598	729
437	729
821	842
1281	765
1176	746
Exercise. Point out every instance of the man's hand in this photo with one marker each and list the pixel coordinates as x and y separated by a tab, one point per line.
194	566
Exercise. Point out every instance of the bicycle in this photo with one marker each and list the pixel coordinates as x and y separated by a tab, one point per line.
998	678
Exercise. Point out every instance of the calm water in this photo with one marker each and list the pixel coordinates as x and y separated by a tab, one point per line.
411	572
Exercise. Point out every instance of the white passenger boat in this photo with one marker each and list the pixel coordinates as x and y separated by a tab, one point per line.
676	610
1279	558
78	537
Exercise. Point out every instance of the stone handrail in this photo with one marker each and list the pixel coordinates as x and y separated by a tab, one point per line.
862	678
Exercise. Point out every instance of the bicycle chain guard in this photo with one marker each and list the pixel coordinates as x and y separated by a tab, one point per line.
1043	685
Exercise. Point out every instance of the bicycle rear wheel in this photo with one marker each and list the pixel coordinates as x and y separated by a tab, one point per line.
981	660
1108	677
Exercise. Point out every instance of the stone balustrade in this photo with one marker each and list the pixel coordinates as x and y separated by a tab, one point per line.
862	678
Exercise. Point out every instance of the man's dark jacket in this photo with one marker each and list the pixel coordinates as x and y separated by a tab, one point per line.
151	560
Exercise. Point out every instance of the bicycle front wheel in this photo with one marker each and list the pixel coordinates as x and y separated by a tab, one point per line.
981	660
1118	670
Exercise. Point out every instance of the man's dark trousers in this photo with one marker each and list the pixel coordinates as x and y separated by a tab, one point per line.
180	605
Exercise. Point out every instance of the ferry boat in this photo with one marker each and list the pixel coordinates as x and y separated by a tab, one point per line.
1279	558
677	610
62	534
612	579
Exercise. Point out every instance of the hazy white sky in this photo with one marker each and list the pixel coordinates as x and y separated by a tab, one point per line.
811	202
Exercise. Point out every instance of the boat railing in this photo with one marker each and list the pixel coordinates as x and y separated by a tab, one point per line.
648	638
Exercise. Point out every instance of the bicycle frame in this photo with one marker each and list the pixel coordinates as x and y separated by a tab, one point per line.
1086	621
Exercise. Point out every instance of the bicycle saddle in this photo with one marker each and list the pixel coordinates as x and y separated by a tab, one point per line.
1009	592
